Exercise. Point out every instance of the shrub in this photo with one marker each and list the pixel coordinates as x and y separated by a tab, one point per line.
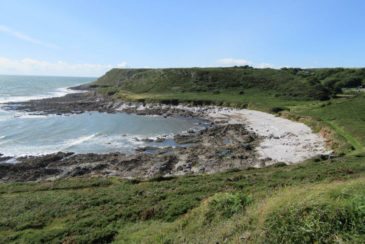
173	102
353	81
280	164
316	223
277	109
330	82
111	93
349	82
337	215
225	205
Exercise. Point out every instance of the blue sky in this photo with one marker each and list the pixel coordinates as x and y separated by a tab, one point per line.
88	37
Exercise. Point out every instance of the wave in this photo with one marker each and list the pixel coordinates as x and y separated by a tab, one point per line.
59	92
94	143
21	151
78	141
109	141
39	150
32	116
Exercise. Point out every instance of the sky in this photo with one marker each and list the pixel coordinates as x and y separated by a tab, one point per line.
89	37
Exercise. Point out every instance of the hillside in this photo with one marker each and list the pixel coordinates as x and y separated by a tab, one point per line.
293	83
254	206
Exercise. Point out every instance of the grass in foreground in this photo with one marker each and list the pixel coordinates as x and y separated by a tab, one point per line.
321	213
105	209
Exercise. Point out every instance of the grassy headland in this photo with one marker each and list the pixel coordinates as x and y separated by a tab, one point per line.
321	200
299	84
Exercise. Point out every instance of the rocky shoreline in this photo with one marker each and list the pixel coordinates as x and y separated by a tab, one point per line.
76	103
230	142
217	148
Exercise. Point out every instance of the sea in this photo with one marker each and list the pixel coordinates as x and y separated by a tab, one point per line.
23	133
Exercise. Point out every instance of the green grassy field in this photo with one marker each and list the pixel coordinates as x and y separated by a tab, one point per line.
305	84
252	98
345	116
318	201
98	210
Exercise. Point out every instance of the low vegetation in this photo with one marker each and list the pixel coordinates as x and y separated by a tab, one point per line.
287	83
184	209
321	200
325	213
345	116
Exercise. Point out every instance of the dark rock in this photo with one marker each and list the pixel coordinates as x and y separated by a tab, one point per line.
78	171
186	139
160	139
3	159
147	148
224	153
247	146
100	167
147	140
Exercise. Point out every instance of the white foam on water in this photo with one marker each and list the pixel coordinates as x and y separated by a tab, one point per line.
59	92
25	115
6	115
20	150
77	141
87	143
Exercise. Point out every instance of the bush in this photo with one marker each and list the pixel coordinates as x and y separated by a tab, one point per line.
316	223
225	205
277	109
173	102
330	83
349	82
280	164
334	216
353	81
111	93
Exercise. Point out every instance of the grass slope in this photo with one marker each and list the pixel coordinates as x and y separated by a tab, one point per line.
345	115
285	83
85	210
322	213
294	83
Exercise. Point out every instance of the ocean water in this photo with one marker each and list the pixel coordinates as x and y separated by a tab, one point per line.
22	133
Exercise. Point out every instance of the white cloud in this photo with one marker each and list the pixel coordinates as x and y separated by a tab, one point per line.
123	64
233	62
264	65
242	62
29	66
24	37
